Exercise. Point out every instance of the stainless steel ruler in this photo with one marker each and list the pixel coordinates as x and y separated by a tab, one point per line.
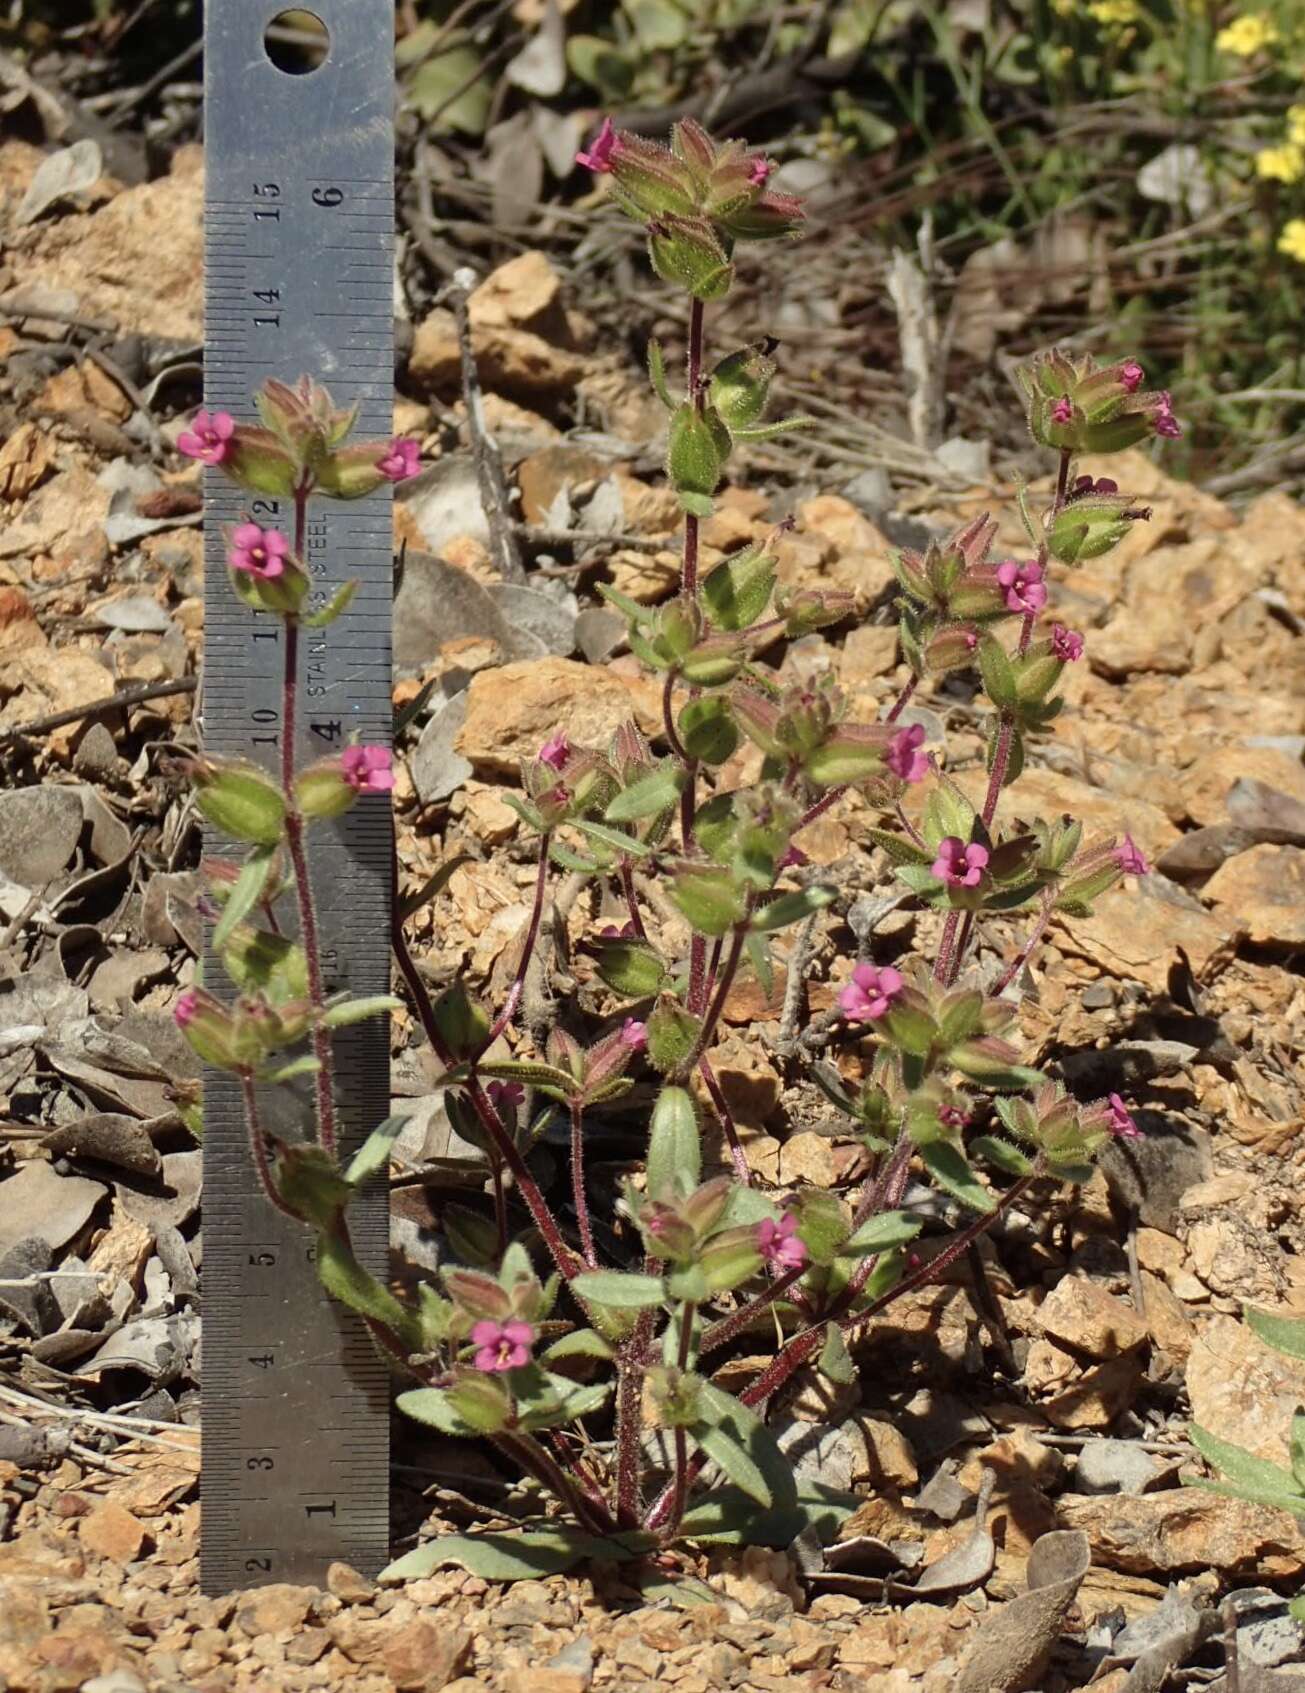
299	242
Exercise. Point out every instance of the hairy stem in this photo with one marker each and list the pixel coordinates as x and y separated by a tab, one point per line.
726	1116
530	1455
631	1365
567	1263
1022	957
527	950
680	1483
324	1081
578	1185
258	1146
631	899
725	1330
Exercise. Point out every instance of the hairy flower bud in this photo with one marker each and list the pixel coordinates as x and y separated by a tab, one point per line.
685	252
698	446
239	799
1091	524
740	384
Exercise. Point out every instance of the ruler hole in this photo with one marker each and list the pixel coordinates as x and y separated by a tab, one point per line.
297	41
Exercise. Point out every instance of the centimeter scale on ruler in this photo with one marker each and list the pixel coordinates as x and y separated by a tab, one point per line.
299	240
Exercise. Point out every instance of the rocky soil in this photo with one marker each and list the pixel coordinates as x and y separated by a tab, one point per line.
1048	1393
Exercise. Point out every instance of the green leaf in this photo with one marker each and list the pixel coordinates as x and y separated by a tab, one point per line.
374	1153
652	794
431	1406
657	374
759	957
344	1279
629	608
736	1438
835	1359
946	812
305	1066
327	614
1244	1469
674	1147
524	1555
598	63
900	850
1283	1334
245	895
357	1010
768	431
580	1343
708	730
448	89
737	590
631	968
697	505
569	860
1000	1153
622	1291
728	1517
998	676
658	24
614	838
792	908
711	900
879	1234
1298	1448
529	1073
946	1164
415	706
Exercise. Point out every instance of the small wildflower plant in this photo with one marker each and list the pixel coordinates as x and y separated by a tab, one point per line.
558	1327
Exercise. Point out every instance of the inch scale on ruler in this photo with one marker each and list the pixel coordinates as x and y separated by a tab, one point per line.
299	237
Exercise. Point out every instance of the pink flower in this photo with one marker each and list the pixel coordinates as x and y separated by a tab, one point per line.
760	172
368	769
904	757
505	1096
1121	1120
208	438
1025	589
870	992
952	1116
794	859
183	1012
1165	421
1063	410
1131	375
617	931
779	1243
1130	860
261	552
402	460
1066	644
971	638
958	865
555	752
501	1346
599	156
634	1034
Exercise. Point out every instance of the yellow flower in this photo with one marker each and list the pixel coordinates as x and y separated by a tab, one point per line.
1296	125
1281	164
1292	240
1114	14
1246	35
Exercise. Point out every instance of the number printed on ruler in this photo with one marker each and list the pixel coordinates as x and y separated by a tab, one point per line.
299	205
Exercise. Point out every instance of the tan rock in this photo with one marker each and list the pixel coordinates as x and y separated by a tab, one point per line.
644	577
1171	1328
542	475
1160	1252
1080	1314
1048	793
728	528
511	711
25	459
151	231
514	362
1263	890
524	293
1186	1529
425	1654
18	625
839	521
891	1462
869	651
1244	1391
748	1080
1076	1398
1206	782
1138	937
112	1532
276	1608
344	1583
807	1157
487	814
1227	1189
58	516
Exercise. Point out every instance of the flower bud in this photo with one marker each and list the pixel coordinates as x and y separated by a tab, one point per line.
463	1025
1091	524
685	252
322	791
740	385
564	1052
730	1258
610	1057
666	1234
240	800
351	473
771	216
699	445
477	1296
630	753
676	1394
849	754
694	148
481	1400
672	1033
758	717
208	1028
678	626
952	648
650	181
805	610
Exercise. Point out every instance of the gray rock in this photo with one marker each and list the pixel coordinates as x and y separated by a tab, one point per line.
1114	1466
437	770
39	831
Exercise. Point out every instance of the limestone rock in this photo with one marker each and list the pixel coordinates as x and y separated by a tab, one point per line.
1242	1390
511	711
424	1655
1187	1529
1263	890
112	1532
1080	1314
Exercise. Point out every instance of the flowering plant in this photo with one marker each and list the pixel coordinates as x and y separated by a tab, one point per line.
559	1329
